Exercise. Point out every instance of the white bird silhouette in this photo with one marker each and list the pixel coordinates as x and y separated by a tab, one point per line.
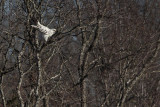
45	30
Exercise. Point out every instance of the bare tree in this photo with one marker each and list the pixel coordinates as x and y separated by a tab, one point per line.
105	53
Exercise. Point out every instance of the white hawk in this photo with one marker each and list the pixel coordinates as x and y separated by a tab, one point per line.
45	30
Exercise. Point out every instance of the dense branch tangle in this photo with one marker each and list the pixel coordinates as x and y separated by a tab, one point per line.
102	54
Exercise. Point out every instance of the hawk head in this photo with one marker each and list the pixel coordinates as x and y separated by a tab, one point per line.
54	30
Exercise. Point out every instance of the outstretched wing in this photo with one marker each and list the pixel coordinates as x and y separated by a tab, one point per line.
34	26
43	28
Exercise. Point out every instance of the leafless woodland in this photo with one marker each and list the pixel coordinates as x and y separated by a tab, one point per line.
105	53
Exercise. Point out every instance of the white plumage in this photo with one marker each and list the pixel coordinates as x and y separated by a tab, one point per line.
45	30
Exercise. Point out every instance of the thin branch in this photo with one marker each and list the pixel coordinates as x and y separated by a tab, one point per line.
21	75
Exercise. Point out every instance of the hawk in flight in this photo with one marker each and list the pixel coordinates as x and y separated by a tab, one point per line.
45	30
